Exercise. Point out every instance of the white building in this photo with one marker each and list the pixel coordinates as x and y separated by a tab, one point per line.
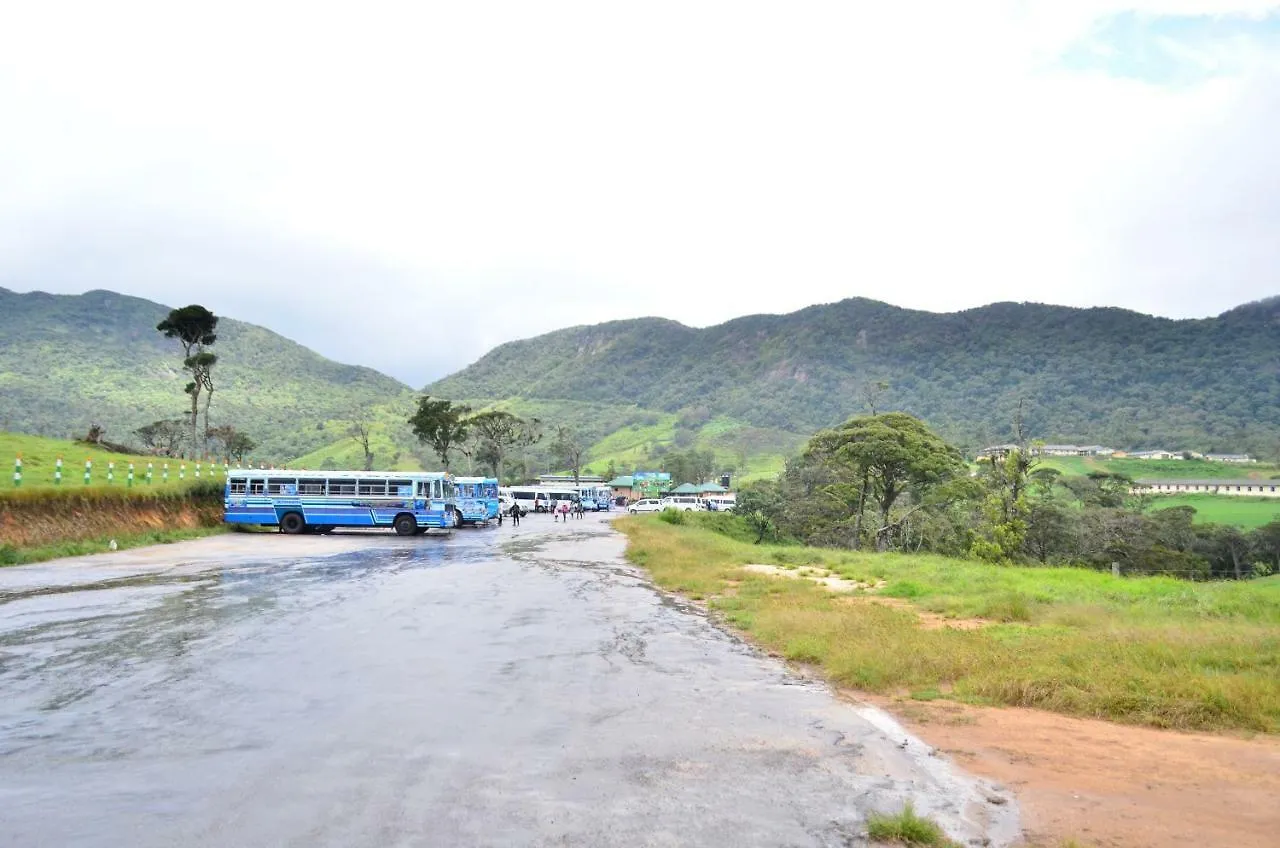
1155	454
1229	457
1241	488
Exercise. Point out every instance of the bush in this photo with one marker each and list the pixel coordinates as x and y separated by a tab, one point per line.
672	516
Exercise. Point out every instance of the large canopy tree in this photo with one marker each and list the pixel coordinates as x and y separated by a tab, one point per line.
881	457
441	424
497	432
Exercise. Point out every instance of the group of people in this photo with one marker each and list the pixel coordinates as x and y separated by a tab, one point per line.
560	510
563	509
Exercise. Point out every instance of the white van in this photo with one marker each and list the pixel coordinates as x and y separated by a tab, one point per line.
682	503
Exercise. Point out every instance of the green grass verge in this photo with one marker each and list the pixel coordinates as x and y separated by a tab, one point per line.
1224	509
1151	651
10	555
40	455
906	828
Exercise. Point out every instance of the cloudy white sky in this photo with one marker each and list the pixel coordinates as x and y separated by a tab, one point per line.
404	185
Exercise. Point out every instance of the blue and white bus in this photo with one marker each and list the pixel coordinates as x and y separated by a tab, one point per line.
319	501
477	498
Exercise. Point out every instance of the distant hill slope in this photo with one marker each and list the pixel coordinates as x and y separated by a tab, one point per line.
67	361
1087	375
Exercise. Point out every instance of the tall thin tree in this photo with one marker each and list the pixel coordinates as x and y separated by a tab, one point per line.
195	328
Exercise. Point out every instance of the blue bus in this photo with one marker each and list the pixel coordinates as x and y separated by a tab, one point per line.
319	501
477	498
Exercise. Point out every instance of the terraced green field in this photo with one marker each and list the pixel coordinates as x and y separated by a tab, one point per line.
1221	509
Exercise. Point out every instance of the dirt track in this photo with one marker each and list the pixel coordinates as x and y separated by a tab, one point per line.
1103	784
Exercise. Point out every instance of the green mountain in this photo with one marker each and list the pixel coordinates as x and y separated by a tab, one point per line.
68	361
1096	376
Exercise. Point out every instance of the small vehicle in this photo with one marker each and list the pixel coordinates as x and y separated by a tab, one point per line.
645	505
681	503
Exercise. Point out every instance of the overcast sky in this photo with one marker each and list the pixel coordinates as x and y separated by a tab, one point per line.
405	185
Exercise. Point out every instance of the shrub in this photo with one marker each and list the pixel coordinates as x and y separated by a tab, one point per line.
672	516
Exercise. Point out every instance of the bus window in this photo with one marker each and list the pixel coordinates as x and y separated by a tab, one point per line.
342	487
282	487
257	487
238	486
400	488
371	487
311	487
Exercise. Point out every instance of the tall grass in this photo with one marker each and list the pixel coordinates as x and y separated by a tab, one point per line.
1147	650
906	828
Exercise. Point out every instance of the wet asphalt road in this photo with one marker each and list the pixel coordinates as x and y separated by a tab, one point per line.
493	687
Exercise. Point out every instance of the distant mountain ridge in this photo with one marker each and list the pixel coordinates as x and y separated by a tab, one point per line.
67	361
1100	375
749	390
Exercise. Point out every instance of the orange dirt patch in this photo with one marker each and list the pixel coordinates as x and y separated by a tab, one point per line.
928	620
843	585
1111	785
821	576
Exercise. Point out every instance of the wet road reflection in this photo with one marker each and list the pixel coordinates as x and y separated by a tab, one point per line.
492	687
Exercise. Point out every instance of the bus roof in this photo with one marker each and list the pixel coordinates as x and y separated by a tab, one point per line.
337	475
469	480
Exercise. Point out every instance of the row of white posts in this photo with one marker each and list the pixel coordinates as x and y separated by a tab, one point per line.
213	469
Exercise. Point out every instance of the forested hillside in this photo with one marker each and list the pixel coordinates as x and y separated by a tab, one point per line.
68	361
749	391
1085	375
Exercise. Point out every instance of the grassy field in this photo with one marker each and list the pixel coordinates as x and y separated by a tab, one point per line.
39	456
1161	469
1150	651
1242	512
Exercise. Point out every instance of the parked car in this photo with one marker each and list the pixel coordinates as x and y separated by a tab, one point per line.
681	503
645	505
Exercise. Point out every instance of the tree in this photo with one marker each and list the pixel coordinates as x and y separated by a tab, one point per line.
496	433
238	445
359	429
234	444
441	424
195	328
569	449
163	438
885	456
871	392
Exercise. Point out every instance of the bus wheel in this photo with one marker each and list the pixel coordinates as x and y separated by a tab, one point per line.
292	522
405	524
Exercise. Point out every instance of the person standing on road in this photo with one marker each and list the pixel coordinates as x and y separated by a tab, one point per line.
515	515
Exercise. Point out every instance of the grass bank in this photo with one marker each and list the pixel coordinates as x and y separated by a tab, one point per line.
40	456
47	523
1148	650
10	555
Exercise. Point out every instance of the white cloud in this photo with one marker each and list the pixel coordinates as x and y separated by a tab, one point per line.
504	169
